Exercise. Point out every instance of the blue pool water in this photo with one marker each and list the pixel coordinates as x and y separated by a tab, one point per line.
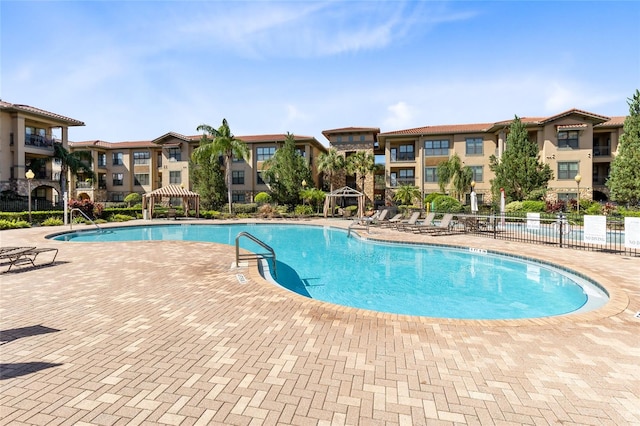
325	264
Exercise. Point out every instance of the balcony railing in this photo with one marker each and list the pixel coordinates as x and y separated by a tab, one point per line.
400	182
39	141
601	151
84	185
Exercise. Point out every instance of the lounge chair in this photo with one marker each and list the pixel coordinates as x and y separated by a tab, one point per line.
443	226
366	220
413	219
391	222
19	255
410	226
382	217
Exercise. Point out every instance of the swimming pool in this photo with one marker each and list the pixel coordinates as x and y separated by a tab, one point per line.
324	263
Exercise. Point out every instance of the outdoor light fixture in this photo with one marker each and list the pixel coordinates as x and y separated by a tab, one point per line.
29	175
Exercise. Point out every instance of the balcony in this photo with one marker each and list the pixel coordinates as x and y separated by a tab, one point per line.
601	151
404	181
84	185
38	141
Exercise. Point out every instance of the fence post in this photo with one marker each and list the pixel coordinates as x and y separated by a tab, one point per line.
560	226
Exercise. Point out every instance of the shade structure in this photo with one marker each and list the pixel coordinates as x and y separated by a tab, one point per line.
474	202
344	192
172	191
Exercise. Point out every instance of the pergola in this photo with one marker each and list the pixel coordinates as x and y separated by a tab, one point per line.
345	192
172	191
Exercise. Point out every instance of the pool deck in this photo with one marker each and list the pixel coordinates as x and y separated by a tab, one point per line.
166	333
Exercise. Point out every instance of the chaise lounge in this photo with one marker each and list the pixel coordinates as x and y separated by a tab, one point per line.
19	255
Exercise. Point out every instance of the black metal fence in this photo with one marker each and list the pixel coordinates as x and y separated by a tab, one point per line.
560	230
23	205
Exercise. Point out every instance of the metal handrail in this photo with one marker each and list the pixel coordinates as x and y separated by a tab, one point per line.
75	209
261	244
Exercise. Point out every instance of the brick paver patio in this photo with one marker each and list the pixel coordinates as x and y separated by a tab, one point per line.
164	333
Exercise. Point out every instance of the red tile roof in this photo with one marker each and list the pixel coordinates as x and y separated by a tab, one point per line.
37	111
442	129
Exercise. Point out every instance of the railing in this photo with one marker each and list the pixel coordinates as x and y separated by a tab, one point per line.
239	256
38	141
561	230
84	185
85	216
601	151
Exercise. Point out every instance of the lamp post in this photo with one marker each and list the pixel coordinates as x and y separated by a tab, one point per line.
578	178
29	175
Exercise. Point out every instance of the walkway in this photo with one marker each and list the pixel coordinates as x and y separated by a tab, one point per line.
164	333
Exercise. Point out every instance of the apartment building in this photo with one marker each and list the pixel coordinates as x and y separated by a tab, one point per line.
142	166
573	142
27	136
349	140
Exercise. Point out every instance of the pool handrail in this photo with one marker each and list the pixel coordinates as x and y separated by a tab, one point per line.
261	244
85	216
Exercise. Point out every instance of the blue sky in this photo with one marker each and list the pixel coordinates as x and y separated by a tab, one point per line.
135	70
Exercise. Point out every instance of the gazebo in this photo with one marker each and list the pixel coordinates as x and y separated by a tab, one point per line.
172	191
345	192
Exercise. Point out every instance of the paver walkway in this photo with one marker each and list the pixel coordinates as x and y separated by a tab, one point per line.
164	333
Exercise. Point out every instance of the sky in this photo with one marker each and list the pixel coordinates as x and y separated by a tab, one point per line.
135	70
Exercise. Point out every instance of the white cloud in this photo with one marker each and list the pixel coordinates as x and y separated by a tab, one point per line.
401	115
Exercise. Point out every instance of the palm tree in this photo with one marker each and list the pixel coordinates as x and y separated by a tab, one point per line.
331	162
452	171
361	163
406	194
216	142
74	162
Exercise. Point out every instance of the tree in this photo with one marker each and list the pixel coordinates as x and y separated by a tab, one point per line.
216	142
519	171
133	199
452	172
285	172
330	162
361	163
407	194
624	179
77	162
208	182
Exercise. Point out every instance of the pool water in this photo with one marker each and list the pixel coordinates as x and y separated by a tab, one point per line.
326	264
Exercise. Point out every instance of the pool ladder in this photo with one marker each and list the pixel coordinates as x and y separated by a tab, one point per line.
271	253
85	216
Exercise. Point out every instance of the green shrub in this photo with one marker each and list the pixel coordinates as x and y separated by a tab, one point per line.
444	203
13	224
133	198
537	195
245	208
534	206
52	221
303	210
262	198
120	218
431	197
513	207
594	209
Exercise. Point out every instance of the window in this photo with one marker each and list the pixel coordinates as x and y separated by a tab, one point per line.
237	160
403	153
301	152
175	154
350	138
568	139
237	177
477	173
361	138
117	159
118	179
474	146
263	154
102	160
339	139
175	177
117	196
480	198
259	179
141	157
567	170
403	177
141	179
436	148
237	197
431	174
567	196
